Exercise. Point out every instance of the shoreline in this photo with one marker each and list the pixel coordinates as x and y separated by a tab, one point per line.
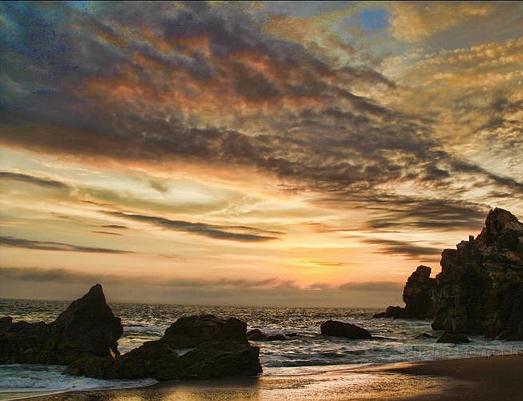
476	378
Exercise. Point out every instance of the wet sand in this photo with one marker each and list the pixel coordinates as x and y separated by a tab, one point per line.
478	379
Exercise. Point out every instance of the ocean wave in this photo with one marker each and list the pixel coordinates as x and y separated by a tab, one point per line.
21	378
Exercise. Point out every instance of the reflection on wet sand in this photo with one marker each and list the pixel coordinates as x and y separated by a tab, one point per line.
340	384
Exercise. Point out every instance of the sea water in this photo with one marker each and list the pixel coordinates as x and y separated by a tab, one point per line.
305	350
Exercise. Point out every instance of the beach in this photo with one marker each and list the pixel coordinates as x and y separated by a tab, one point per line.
478	379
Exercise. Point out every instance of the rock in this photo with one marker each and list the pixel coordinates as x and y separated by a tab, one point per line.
453	338
87	328
220	349
423	336
5	323
417	295
480	287
256	335
276	337
190	331
391	311
341	329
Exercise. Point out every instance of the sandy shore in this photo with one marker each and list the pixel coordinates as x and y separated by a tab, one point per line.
478	379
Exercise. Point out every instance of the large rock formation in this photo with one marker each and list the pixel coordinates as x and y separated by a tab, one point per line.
417	295
217	348
480	287
340	329
87	328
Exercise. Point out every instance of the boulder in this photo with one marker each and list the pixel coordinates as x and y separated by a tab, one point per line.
88	328
480	287
417	295
391	311
256	335
453	338
219	349
276	337
341	329
190	331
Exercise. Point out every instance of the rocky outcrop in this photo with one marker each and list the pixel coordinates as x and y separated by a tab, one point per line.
87	328
340	329
480	287
417	295
217	348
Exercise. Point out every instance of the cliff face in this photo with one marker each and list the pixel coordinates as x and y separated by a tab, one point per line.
480	287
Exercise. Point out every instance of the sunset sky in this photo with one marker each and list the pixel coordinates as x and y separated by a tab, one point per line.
262	153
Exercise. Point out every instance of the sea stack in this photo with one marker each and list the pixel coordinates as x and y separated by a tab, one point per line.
417	295
87	327
480	287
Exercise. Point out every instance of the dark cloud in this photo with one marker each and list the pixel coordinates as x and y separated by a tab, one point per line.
54	246
115	226
206	230
30	179
406	248
106	233
427	214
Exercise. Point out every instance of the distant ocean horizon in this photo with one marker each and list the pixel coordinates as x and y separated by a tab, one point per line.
399	341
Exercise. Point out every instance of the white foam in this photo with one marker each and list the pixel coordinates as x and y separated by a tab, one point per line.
20	378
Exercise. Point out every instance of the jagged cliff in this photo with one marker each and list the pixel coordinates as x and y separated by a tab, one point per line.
480	287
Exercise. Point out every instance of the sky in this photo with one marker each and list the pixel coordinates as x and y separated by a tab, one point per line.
265	153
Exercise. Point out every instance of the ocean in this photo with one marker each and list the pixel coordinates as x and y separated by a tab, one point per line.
306	352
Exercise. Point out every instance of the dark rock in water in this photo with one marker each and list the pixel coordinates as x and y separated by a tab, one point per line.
87	328
5	323
453	338
220	349
190	331
341	329
391	311
276	337
424	336
417	296
256	335
480	287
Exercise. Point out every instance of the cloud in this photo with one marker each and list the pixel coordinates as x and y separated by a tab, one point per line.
115	226
160	84
428	214
269	291
106	233
413	22
406	248
54	246
206	230
30	179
